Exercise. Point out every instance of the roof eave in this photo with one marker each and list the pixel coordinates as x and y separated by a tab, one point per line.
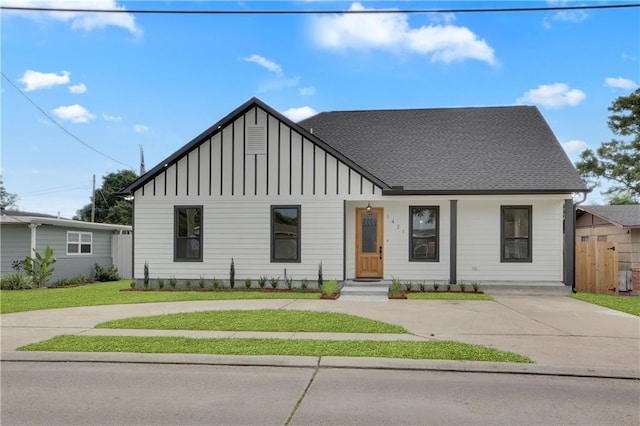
393	192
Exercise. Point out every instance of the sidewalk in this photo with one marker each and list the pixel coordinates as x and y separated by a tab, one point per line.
562	335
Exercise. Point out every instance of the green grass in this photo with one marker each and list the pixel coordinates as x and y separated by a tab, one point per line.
447	296
393	349
628	304
259	320
110	294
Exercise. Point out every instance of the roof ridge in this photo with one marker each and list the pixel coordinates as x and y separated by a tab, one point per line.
447	108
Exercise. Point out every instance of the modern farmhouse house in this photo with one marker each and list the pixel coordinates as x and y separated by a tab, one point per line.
443	194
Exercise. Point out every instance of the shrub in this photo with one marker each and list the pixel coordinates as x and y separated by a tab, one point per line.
449	286
188	284
247	283
160	283
108	274
436	285
462	286
304	284
172	282
201	282
330	288
320	276
408	285
80	279
423	286
146	275
274	281
395	289
262	281
476	286
215	283
133	284
289	282
40	267
232	274
15	281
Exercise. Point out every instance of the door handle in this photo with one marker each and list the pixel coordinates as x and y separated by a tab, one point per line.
380	250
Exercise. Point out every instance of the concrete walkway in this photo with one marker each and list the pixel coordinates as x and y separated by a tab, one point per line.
562	335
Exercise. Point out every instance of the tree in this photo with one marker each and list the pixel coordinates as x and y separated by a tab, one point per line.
618	160
111	208
7	199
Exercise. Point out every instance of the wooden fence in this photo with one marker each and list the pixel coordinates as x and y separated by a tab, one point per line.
121	254
597	267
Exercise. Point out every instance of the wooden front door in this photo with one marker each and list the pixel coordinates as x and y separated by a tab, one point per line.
369	243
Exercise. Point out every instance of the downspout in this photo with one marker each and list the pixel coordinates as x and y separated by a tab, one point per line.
571	239
33	227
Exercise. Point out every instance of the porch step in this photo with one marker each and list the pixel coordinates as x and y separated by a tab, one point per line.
364	291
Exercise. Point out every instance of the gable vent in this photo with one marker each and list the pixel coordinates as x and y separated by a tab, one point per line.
256	140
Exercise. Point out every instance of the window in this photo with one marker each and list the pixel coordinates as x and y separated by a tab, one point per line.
188	234
584	238
285	234
515	234
79	242
423	241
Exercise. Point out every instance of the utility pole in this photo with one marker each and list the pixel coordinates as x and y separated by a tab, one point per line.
142	169
93	200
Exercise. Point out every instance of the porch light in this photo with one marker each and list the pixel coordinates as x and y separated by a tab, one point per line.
369	207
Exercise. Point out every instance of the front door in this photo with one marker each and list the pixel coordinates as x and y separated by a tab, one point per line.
369	243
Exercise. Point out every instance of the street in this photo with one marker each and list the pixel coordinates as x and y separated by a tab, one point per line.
114	393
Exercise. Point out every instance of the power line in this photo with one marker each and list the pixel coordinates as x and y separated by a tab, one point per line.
322	12
60	126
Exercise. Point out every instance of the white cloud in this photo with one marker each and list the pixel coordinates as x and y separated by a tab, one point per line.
34	80
86	21
571	16
554	95
298	114
392	32
574	146
141	128
620	83
307	91
74	113
265	63
78	88
108	117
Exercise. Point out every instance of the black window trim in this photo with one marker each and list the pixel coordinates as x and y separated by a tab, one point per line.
529	209
411	258
272	236
175	233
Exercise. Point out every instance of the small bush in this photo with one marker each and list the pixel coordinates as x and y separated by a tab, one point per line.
462	286
423	286
216	284
262	281
320	280
395	289
146	275
65	282
448	286
476	286
104	275
201	282
173	283
247	283
188	285
133	284
289	282
304	284
160	283
436	285
408	285
330	288
274	281
15	281
232	274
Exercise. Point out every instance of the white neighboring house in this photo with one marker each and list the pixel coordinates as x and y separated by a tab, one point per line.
473	194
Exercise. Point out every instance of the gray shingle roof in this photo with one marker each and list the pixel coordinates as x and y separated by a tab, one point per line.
627	216
498	149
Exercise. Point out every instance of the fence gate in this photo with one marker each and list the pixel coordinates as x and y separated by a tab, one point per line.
597	267
122	254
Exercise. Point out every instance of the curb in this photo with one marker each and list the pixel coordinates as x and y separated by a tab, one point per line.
325	362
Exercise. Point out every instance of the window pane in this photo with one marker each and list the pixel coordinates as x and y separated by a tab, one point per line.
188	248
424	248
424	233
85	248
369	233
72	248
73	237
85	238
516	249
188	233
285	249
285	222
516	223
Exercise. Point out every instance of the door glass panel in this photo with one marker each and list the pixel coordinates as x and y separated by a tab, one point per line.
369	233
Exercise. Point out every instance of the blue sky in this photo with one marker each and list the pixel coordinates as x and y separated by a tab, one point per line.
121	81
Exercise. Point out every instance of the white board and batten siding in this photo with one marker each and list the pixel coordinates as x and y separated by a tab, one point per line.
253	163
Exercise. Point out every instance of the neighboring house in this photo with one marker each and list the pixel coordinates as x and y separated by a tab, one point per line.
423	194
76	245
618	224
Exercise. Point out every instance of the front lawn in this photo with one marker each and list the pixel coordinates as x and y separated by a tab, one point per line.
276	320
379	349
447	296
110	294
628	304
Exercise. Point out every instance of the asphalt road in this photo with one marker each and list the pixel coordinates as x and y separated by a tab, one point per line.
115	393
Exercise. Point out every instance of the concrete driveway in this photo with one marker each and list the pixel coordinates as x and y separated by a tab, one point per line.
557	332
